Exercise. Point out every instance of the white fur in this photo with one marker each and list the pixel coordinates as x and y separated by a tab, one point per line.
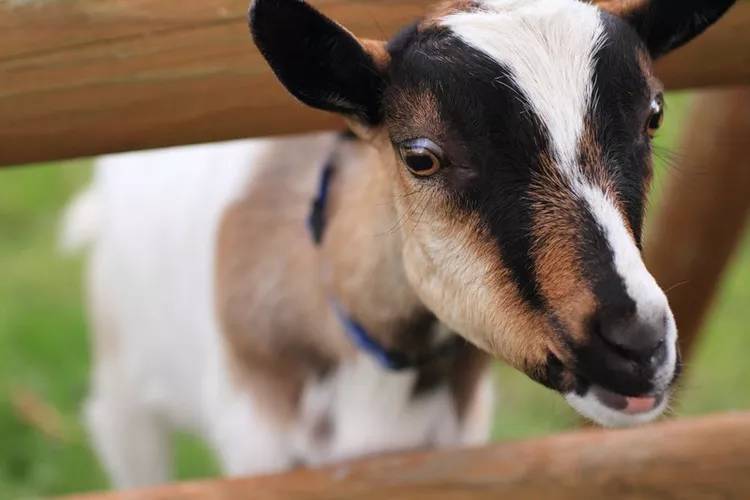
151	293
550	48
373	412
478	420
80	222
160	363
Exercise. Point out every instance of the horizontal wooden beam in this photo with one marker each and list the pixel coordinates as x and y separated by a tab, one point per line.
689	459
84	77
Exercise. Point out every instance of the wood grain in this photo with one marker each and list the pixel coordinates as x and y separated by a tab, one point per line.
705	458
705	208
84	77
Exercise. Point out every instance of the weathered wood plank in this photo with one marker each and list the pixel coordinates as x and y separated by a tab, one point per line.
690	459
705	208
83	77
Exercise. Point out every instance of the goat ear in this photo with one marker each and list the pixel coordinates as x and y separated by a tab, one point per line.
667	24
318	61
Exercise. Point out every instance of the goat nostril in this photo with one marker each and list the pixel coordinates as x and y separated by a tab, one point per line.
634	339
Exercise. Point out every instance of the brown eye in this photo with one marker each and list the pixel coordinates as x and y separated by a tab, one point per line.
421	156
656	117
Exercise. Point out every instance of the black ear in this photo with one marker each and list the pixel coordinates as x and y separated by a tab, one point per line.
667	24
317	60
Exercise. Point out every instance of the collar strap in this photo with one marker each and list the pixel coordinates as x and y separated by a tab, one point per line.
316	221
389	359
392	359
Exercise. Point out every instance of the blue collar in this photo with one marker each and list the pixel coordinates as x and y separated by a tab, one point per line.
389	359
316	220
392	360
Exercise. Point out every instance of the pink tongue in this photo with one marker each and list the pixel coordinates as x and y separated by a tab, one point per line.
640	405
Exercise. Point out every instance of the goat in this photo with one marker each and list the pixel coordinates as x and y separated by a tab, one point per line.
488	203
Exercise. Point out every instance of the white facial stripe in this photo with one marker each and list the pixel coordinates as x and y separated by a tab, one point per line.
651	302
639	283
550	48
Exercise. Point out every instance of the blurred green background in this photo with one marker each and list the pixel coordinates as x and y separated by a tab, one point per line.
44	351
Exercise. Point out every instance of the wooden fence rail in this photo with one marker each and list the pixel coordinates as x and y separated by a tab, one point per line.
690	459
84	77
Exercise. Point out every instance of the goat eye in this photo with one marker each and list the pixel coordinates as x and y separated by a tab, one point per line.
656	116
421	156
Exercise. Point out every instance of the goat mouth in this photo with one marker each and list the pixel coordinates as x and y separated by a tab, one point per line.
626	404
610	409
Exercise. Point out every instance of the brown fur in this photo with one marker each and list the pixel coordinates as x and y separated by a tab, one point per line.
447	8
362	221
379	53
416	112
269	341
281	335
469	366
593	160
556	234
622	8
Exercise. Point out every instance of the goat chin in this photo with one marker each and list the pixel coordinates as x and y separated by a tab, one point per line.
590	407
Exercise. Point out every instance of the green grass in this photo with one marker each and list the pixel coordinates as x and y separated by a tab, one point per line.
44	349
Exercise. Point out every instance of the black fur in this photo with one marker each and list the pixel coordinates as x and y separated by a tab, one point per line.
619	121
552	374
667	24
320	63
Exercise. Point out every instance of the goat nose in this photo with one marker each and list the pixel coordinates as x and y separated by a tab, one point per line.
633	337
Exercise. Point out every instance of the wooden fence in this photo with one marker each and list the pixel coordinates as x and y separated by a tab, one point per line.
707	458
84	77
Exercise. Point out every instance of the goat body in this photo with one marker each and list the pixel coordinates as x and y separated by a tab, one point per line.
254	361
